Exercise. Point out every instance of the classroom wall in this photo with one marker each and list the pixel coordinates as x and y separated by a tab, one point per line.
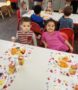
57	4
2	0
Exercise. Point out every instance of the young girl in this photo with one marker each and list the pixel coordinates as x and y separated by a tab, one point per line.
25	35
53	40
49	8
23	8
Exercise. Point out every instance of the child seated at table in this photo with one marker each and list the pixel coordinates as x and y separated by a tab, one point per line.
23	8
65	21
49	8
25	35
53	40
36	16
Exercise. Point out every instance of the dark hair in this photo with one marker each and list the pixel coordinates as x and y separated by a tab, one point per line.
50	20
24	19
37	9
67	10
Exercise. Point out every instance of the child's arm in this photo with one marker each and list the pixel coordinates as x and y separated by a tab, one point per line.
34	39
44	40
65	41
45	44
69	45
13	38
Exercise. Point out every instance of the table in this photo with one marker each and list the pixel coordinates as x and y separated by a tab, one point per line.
41	70
5	3
55	15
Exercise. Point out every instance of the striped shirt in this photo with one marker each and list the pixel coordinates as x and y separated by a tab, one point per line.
26	37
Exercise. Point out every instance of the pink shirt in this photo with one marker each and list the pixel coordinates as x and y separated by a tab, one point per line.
55	41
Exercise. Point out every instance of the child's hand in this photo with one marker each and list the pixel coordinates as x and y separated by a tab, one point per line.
71	49
46	45
39	36
13	39
60	11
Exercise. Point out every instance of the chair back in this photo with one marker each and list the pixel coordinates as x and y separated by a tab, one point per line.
68	34
18	18
35	28
18	15
5	10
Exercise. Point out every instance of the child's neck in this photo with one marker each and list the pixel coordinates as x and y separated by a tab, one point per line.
66	16
38	14
25	31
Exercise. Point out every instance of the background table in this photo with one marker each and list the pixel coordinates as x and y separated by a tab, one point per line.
55	15
40	71
4	3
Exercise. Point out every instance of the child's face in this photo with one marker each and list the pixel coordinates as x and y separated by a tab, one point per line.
25	26
50	26
24	6
49	4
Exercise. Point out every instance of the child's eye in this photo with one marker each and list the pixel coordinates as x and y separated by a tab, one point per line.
28	25
24	25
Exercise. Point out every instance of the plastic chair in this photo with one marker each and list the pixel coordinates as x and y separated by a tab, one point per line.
5	10
38	31
18	15
68	34
36	28
18	18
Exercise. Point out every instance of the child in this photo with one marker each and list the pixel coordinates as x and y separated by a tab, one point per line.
53	40
49	8
65	21
24	35
36	17
67	3
24	8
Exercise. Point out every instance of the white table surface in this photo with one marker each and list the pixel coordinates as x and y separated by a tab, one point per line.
55	15
34	73
4	4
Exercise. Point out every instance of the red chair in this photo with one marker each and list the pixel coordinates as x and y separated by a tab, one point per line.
37	30
68	34
18	18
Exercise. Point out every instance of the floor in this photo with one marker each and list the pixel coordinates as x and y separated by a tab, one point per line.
8	28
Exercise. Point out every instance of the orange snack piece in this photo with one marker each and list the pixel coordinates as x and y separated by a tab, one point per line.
74	67
72	71
66	59
13	51
63	64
